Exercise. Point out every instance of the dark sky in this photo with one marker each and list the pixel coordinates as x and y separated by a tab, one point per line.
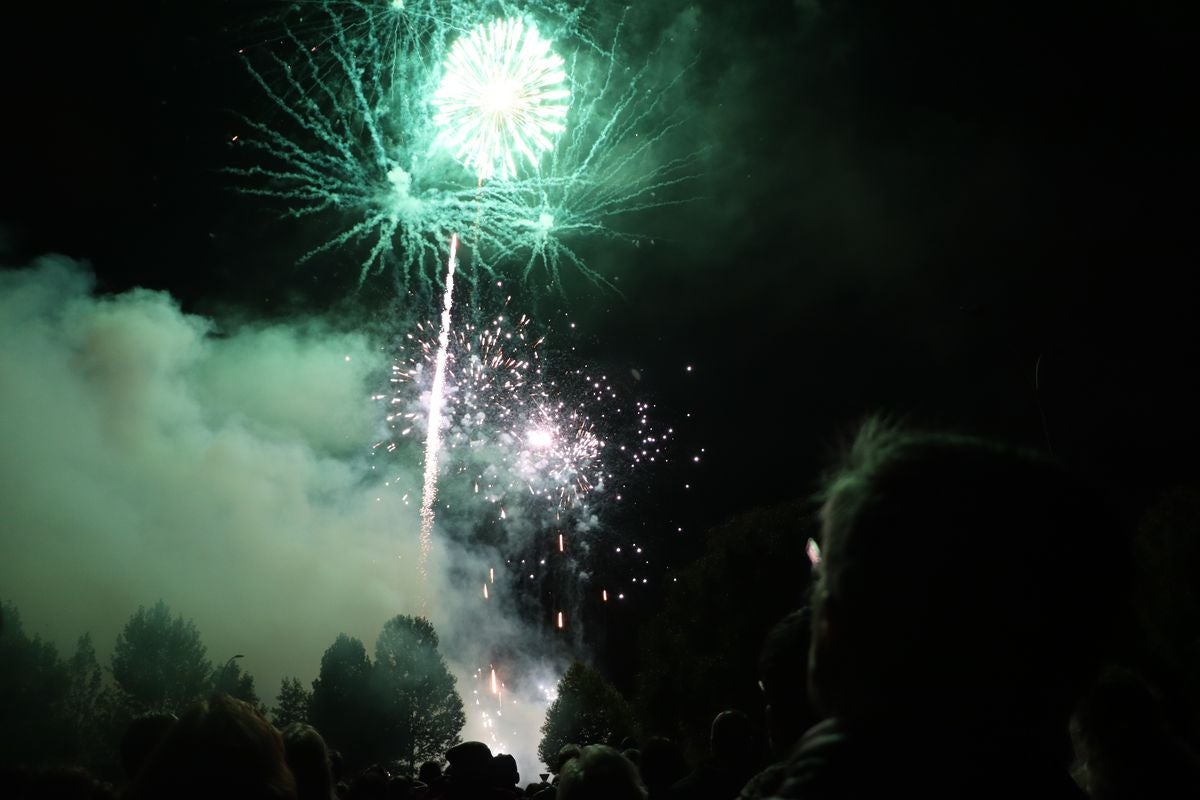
977	215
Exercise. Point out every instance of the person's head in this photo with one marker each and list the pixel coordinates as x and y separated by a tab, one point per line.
308	759
504	771
429	773
220	747
731	739
783	676
661	765
599	773
142	736
565	754
950	564
470	764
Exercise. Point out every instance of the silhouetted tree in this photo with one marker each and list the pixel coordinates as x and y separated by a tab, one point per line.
587	710
33	683
699	654
292	703
159	663
86	705
421	712
341	707
234	682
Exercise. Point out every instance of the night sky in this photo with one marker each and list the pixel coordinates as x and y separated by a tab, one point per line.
972	215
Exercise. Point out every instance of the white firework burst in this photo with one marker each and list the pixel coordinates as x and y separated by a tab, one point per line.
503	96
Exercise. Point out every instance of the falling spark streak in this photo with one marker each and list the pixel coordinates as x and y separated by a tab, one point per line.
433	441
604	595
491	574
495	688
485	592
560	543
560	620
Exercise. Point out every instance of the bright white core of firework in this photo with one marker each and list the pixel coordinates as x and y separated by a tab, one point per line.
503	97
540	438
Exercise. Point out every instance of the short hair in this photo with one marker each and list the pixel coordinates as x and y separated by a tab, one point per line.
308	759
783	661
731	735
140	739
600	773
955	560
220	747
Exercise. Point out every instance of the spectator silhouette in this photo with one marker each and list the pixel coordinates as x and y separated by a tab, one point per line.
730	763
370	784
599	773
1124	746
783	676
308	759
662	766
67	783
337	769
505	776
221	747
565	754
430	774
963	598
141	737
470	774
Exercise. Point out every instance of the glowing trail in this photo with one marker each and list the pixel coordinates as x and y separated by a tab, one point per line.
433	440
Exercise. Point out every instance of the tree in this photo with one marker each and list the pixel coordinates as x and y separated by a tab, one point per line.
340	706
33	683
758	560
159	663
421	711
587	710
85	703
231	680
293	703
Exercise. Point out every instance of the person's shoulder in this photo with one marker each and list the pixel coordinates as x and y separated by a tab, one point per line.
765	784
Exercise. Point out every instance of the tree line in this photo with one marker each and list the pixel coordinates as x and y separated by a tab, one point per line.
402	707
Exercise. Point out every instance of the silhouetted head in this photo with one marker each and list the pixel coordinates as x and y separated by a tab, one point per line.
470	764
504	771
337	765
221	747
731	739
565	754
429	773
661	765
142	736
308	760
370	784
783	676
950	564
599	773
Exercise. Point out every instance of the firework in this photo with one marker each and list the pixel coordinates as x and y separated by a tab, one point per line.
373	104
507	430
433	441
503	95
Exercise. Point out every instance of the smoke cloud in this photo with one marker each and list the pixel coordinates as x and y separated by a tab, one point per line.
148	455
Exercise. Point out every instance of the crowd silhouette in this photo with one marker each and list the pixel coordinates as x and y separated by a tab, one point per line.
927	661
